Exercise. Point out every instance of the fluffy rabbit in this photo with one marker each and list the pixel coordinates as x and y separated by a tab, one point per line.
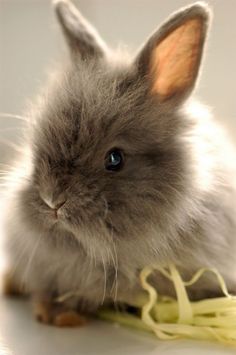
120	169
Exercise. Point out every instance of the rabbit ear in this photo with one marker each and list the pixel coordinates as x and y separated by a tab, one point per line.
82	38
171	58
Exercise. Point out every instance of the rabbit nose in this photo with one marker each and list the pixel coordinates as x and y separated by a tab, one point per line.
57	207
53	206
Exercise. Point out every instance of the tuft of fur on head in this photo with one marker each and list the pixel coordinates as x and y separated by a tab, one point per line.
158	207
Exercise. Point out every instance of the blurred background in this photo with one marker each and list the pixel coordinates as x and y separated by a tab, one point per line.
30	44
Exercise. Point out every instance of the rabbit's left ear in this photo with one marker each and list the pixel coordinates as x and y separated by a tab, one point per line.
83	40
171	58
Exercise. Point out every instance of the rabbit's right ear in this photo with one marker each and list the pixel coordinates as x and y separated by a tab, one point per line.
171	58
82	38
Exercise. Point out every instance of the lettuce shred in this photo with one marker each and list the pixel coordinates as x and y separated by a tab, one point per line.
169	318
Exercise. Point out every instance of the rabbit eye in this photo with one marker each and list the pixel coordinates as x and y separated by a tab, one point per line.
114	160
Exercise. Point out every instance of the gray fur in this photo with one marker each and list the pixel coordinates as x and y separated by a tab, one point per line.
174	200
82	38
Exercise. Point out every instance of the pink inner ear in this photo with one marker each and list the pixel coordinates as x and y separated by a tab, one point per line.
175	60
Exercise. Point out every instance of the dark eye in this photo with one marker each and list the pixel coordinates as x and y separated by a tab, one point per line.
114	160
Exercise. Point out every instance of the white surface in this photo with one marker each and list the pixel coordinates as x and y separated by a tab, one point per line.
20	334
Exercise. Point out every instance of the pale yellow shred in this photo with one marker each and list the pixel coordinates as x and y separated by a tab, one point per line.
208	319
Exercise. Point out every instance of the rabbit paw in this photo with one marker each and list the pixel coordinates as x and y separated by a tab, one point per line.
10	286
57	314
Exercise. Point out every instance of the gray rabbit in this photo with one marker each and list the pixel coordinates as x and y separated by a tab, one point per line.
120	169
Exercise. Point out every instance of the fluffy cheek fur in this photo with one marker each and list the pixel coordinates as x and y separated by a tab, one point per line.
132	220
81	252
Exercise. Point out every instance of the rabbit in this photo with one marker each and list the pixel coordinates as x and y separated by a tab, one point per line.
120	168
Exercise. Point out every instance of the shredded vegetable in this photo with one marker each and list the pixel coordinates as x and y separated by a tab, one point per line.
168	318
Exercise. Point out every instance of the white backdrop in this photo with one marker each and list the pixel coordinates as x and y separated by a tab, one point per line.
30	42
